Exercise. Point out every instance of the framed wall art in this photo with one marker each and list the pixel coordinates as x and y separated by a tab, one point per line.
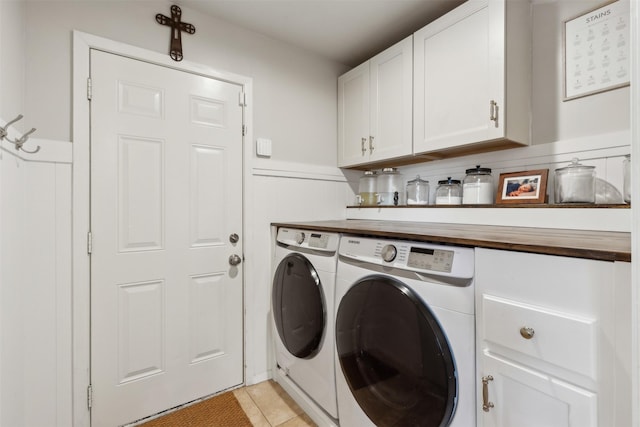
523	187
596	50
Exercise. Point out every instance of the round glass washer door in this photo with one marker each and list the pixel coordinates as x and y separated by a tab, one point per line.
298	306
395	356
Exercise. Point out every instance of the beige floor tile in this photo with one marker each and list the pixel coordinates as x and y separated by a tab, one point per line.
274	403
249	407
299	421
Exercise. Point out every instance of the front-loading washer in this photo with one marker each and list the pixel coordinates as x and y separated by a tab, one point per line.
405	334
302	307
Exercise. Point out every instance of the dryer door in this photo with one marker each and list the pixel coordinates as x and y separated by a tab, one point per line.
394	355
298	306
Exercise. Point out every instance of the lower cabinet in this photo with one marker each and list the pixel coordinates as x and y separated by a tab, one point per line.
553	340
517	395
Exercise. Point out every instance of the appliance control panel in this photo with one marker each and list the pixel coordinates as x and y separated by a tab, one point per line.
326	242
430	259
452	261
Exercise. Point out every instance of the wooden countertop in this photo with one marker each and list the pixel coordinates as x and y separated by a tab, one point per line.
599	245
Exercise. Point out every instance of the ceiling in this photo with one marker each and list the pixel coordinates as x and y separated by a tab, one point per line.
345	31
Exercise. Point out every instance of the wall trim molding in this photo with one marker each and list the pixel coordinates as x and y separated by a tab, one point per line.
51	151
270	168
589	147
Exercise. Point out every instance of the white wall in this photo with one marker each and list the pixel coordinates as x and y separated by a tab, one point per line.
294	104
294	91
554	119
11	196
12	60
35	292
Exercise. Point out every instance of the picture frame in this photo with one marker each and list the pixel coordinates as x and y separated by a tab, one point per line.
523	187
596	51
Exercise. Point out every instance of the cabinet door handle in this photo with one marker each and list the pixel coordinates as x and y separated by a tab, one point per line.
364	149
486	405
493	111
370	144
527	333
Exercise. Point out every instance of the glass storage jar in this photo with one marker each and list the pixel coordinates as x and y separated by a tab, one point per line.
477	187
390	187
626	186
449	192
367	189
417	191
575	183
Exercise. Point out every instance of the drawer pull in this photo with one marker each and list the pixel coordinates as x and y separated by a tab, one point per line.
527	333
486	405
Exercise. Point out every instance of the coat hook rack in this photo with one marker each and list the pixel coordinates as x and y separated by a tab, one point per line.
4	132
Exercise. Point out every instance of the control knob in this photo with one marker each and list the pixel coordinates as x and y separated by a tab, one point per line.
299	238
389	253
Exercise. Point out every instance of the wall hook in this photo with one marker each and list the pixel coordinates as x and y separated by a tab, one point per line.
20	142
4	131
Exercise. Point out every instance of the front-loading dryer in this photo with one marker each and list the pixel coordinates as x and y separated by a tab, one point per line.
302	307
405	334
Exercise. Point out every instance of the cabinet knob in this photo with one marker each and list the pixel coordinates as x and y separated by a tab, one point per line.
527	333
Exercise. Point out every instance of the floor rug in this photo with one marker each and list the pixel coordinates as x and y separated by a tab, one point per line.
219	411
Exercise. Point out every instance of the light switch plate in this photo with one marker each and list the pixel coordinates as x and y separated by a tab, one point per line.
263	147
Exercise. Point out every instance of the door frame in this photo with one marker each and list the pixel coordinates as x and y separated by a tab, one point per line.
81	279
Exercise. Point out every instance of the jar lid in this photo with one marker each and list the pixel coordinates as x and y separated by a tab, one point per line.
417	180
369	173
576	167
478	169
449	181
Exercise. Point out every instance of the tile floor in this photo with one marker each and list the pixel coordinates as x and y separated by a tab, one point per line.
268	405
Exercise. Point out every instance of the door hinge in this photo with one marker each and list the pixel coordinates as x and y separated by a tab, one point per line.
244	130
89	89
243	99
89	396
89	243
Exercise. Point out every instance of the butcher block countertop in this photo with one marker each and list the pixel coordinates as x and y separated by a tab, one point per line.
598	245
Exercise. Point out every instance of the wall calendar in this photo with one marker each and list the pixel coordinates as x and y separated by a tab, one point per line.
596	50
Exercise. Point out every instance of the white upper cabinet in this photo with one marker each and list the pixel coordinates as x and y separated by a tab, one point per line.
375	108
472	78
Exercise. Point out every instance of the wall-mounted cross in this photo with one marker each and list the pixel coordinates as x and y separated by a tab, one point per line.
175	48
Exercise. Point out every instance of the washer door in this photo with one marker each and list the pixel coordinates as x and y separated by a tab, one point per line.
394	355
298	306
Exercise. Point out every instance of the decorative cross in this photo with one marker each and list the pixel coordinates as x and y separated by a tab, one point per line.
175	49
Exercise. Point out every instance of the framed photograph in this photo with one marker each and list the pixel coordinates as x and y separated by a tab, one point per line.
523	187
596	50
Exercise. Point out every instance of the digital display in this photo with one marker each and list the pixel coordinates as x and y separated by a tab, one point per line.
431	259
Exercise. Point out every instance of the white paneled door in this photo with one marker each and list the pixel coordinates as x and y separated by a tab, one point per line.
166	206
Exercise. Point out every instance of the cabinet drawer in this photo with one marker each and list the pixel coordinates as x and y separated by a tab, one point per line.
562	339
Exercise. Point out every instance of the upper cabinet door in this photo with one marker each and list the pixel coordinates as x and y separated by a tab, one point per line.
461	61
391	83
375	102
353	116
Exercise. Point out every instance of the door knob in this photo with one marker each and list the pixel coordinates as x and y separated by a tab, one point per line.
235	259
234	238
